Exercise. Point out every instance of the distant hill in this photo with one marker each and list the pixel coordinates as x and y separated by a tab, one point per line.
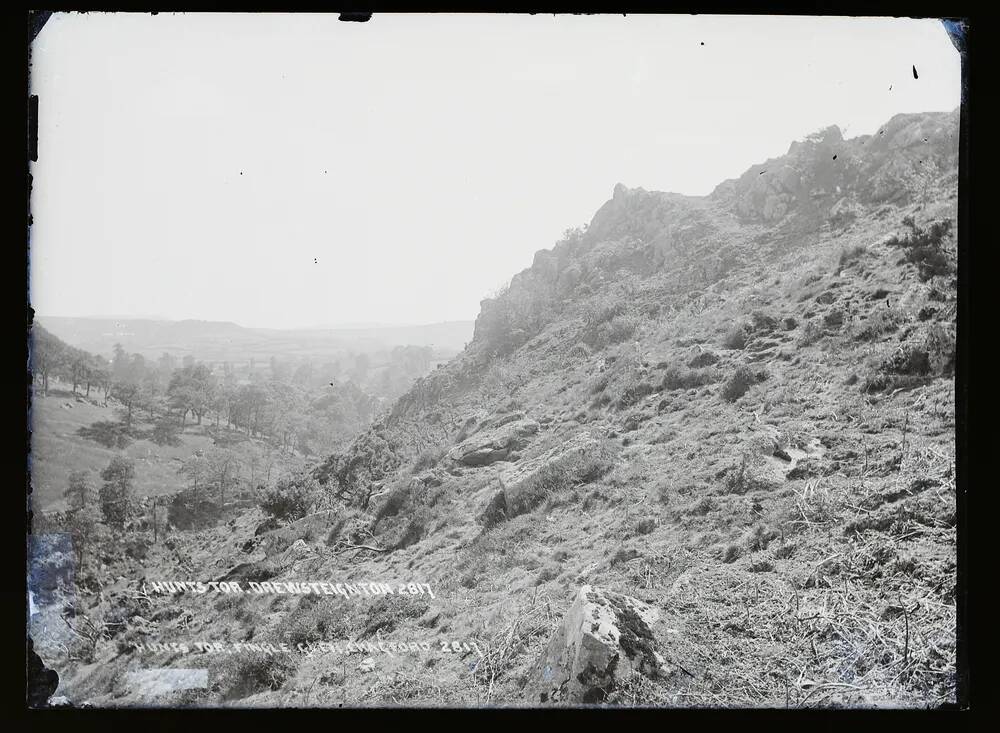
226	341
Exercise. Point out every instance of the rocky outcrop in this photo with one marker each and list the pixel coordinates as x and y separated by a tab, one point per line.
494	444
578	459
520	477
604	638
828	177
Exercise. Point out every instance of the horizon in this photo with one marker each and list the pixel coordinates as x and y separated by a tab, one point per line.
162	184
332	327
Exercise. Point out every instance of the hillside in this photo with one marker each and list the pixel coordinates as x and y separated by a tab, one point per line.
58	448
730	418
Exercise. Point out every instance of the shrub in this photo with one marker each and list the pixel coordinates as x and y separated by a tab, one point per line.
940	346
116	491
599	384
621	328
763	322
738	384
737	480
109	433
731	553
386	613
783	551
677	378
604	310
701	507
834	318
742	477
317	618
849	255
925	248
257	671
759	538
414	530
632	393
735	338
397	498
166	432
428	459
841	219
879	323
812	332
608	322
189	509
549	479
909	360
564	472
703	359
628	381
642	527
912	365
292	498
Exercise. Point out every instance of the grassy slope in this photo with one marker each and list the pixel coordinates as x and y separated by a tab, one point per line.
57	449
833	584
786	592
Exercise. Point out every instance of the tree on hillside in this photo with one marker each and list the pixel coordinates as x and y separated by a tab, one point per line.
286	407
116	491
195	468
129	375
100	375
119	363
79	364
80	490
149	393
165	367
191	389
98	372
222	469
127	393
252	402
48	354
83	516
219	404
137	370
82	526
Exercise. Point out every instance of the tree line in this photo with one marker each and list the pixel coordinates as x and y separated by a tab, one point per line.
306	408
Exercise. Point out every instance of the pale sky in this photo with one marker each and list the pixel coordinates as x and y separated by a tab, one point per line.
297	171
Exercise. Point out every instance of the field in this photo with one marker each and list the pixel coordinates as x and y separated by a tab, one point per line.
57	449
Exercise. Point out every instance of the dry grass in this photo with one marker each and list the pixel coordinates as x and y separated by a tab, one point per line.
513	646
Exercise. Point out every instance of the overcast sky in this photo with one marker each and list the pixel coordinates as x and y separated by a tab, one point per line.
294	170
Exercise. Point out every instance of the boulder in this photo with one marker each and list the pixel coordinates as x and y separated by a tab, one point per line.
493	444
521	478
604	639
